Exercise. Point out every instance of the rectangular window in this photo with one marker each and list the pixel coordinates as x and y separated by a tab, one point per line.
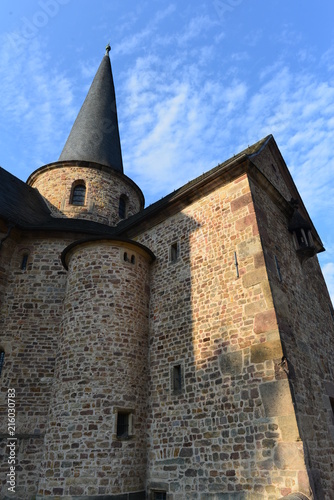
332	405
159	495
124	424
174	252
177	376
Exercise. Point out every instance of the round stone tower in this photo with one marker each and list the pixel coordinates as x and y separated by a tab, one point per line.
87	182
96	435
95	439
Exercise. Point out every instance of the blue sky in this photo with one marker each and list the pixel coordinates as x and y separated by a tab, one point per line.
196	82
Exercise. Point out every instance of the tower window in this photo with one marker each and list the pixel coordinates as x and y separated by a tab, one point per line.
123	206
124	424
24	261
127	258
2	360
79	194
176	378
174	252
331	400
159	495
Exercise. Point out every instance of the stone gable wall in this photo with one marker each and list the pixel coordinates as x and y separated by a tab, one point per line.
306	323
223	433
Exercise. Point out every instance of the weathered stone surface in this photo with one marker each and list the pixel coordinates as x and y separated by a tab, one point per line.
265	321
276	398
289	456
253	278
231	363
249	247
266	350
288	428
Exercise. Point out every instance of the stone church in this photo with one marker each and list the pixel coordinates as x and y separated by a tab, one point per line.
179	351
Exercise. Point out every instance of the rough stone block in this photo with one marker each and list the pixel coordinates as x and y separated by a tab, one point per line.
265	321
276	398
254	277
249	247
231	363
255	307
241	201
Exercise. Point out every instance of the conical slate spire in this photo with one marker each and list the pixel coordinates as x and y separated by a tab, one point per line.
95	135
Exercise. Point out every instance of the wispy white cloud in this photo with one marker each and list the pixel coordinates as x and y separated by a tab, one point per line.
34	99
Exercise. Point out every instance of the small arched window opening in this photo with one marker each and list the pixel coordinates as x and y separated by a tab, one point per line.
24	261
2	359
79	194
123	206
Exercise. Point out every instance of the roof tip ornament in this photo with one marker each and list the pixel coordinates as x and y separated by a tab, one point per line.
108	49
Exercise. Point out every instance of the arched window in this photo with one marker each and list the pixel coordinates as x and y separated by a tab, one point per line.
79	194
24	261
123	206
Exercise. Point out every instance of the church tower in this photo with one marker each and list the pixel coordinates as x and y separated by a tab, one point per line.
87	181
181	351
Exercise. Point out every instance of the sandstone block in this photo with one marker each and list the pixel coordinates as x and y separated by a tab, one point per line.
266	350
249	247
231	363
265	321
289	456
276	398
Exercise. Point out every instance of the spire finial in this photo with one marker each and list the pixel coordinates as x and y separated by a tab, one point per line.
108	48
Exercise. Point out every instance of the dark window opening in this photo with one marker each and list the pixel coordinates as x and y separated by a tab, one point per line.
79	195
122	207
177	378
123	430
2	360
126	258
174	252
332	404
159	495
24	262
301	238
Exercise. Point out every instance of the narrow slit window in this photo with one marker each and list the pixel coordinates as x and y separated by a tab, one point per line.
177	378
278	269
24	261
133	259
122	207
124	424
125	257
174	252
2	360
79	195
332	404
159	495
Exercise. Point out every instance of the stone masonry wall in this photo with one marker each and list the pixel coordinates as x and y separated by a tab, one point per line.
30	320
305	318
101	369
103	190
224	432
